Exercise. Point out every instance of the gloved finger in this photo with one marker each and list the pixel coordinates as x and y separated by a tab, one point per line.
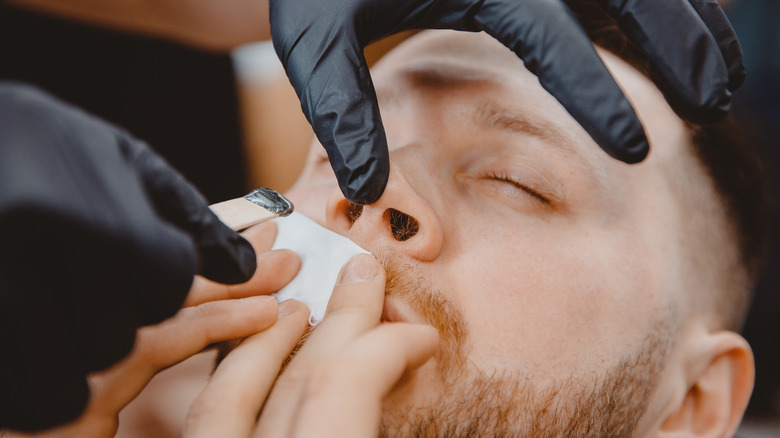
691	70
545	35
230	402
338	98
344	396
274	270
716	20
162	279
225	256
354	308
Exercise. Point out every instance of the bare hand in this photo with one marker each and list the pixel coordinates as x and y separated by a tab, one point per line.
334	385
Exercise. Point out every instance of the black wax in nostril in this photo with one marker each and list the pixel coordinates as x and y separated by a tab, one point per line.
402	225
353	212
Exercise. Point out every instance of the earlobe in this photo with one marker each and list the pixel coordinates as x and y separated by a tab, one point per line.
720	381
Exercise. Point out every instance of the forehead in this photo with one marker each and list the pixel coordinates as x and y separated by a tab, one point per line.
464	64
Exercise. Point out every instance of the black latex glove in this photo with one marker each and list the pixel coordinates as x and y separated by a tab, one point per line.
98	235
691	45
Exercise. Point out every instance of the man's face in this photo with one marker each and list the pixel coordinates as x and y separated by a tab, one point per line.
558	267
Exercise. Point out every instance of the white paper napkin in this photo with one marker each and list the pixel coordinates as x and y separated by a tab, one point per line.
322	254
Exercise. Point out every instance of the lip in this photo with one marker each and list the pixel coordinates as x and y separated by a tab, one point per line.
396	309
391	311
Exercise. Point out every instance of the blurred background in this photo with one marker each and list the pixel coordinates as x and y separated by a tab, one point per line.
757	23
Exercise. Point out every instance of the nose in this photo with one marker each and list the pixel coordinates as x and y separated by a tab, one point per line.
400	219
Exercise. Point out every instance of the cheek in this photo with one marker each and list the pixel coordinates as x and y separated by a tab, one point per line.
552	304
310	196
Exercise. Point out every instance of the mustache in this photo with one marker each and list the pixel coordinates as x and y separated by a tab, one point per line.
407	282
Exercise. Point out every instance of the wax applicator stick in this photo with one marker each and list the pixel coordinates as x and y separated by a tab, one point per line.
258	206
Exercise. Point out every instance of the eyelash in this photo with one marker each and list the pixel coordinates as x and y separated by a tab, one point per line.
491	175
518	185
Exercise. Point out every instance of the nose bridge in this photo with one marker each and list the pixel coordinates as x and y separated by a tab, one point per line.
402	218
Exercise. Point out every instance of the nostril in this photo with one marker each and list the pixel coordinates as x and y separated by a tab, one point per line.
353	212
402	225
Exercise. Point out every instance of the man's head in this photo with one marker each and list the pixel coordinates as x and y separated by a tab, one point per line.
575	295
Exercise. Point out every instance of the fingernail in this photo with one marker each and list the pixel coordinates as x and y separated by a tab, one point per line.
287	307
358	269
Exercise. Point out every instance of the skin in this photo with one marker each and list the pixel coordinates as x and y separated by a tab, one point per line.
562	263
560	289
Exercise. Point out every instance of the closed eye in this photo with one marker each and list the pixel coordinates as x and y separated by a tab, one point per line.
520	186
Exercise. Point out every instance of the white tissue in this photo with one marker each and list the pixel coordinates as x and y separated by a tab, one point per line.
322	254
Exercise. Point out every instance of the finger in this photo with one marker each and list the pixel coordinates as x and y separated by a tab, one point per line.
225	256
712	13
693	71
343	398
274	270
262	236
229	404
337	96
550	41
354	308
341	102
176	339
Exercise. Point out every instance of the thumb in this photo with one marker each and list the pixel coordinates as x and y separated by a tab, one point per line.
224	256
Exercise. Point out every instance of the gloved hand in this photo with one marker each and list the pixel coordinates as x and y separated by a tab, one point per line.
690	43
98	236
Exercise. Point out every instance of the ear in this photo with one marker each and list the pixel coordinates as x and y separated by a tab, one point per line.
719	373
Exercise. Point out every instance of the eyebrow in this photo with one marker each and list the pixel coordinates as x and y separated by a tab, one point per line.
491	114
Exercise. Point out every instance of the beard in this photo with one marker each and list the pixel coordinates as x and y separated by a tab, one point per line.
475	402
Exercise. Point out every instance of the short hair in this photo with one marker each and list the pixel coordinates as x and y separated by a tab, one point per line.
725	153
